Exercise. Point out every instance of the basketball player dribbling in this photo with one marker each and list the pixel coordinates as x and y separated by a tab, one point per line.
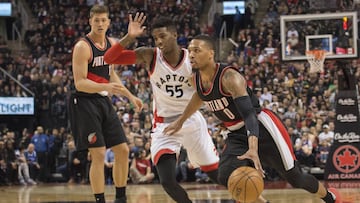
255	134
170	71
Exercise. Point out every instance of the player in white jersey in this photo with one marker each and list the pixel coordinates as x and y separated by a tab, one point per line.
170	72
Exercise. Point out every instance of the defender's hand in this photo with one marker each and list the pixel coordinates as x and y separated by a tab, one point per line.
173	127
135	27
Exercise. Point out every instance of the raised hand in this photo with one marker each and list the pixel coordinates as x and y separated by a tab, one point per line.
135	27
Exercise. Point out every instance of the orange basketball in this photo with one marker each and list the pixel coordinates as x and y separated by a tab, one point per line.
245	184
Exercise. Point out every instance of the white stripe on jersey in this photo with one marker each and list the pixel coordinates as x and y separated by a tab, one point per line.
171	85
285	153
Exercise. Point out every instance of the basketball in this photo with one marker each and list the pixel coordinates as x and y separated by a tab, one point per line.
245	184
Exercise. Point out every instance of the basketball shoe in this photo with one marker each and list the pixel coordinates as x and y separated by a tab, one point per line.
336	195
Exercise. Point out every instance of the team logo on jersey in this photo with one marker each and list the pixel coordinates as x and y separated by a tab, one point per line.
92	138
346	159
99	61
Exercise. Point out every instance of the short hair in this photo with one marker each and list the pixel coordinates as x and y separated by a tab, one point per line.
98	9
208	40
164	22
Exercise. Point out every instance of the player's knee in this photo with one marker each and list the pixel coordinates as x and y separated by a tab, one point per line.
121	149
295	182
296	178
98	155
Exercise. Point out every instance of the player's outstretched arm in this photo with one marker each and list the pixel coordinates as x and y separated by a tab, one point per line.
117	54
194	104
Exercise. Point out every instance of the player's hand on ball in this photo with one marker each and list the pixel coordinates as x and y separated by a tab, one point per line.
253	155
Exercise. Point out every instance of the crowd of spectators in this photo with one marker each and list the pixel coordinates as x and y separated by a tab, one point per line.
304	101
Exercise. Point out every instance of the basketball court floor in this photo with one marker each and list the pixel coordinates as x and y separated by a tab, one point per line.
276	192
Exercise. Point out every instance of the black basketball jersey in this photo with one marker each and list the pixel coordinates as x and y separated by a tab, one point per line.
98	69
220	103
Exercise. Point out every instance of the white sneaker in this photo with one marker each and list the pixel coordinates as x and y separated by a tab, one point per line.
31	182
22	182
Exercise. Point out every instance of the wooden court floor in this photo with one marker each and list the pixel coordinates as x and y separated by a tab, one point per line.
276	192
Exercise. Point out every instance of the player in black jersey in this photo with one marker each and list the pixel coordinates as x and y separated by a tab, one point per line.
94	121
256	136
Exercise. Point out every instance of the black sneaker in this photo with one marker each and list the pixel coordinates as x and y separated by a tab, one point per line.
120	200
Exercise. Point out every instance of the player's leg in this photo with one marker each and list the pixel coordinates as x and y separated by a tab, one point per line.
275	150
164	149
116	140
166	171
298	179
96	173
199	146
120	170
84	114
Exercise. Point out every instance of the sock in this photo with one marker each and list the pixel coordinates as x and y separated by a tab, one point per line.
329	198
99	198
120	192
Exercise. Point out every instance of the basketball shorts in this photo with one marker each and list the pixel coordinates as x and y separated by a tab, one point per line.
193	136
275	147
94	122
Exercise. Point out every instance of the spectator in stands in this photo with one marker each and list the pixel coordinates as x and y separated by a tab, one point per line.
147	124
3	177
55	144
32	161
266	95
59	107
23	168
11	162
65	168
237	21
140	169
201	177
109	162
138	143
304	150
41	143
77	164
186	169
326	135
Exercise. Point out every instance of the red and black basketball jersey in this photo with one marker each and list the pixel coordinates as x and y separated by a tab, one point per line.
219	102
98	69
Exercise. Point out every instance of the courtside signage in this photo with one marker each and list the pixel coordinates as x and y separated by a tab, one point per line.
16	105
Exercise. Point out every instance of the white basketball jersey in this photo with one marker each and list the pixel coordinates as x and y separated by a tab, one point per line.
171	85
